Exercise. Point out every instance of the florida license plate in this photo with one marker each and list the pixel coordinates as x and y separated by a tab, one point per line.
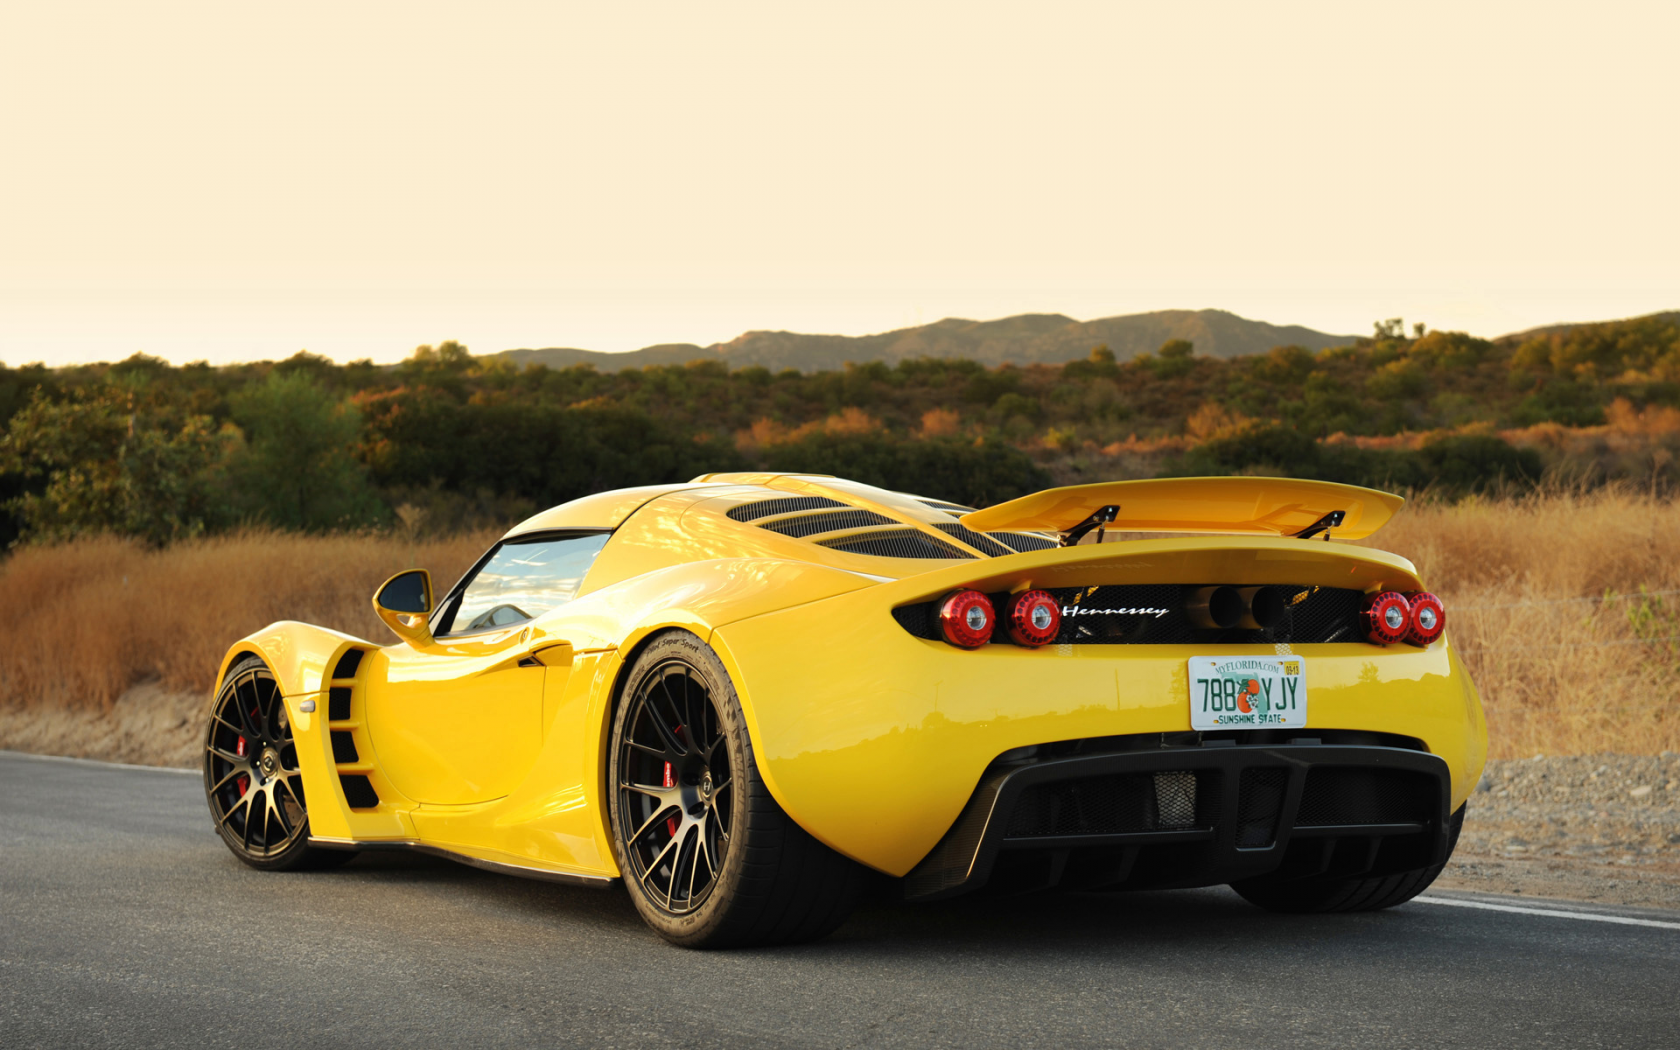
1247	692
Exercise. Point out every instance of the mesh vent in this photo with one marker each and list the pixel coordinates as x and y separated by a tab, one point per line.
918	619
344	748
1106	805
1175	799
1351	795
1259	797
833	521
1023	541
898	543
348	664
338	703
358	791
984	544
786	505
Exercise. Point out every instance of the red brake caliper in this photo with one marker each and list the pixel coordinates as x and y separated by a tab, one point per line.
671	781
242	782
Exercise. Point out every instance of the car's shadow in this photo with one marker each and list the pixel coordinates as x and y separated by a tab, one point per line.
1065	922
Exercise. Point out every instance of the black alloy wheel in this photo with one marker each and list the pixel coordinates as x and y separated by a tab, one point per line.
675	788
251	774
708	856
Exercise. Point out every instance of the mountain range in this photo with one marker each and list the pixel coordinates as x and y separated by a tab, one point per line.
1023	339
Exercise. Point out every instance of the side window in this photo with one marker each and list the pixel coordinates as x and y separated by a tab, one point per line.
520	580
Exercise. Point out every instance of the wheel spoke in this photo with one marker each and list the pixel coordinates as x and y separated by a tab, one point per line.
663	813
242	761
653	865
667	735
676	711
694	863
646	750
229	775
250	815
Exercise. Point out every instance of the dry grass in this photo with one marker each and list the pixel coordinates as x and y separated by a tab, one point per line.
84	621
1561	669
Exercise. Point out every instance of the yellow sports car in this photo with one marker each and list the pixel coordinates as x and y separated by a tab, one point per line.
747	696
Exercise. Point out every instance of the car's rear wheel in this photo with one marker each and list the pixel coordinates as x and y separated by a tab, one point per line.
251	774
709	858
1332	895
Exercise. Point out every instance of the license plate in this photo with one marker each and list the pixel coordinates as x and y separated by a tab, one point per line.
1247	692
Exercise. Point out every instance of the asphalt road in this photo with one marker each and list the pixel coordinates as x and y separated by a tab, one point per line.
126	923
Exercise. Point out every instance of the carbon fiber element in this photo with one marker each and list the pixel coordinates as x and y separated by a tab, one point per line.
1351	795
984	544
785	505
898	543
1106	805
1259	801
831	521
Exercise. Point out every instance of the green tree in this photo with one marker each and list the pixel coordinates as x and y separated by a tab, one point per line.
107	461
298	468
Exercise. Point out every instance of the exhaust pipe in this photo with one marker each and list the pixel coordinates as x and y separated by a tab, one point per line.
1263	608
1215	607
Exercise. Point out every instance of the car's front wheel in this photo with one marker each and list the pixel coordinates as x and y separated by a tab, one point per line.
251	775
708	856
1331	895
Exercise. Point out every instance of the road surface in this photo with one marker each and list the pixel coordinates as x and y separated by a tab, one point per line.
126	923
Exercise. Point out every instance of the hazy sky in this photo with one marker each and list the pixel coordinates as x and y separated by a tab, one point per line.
232	181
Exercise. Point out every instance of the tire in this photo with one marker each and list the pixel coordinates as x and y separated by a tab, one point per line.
251	777
1341	895
708	857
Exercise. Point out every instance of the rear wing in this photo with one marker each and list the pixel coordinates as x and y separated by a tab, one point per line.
1246	506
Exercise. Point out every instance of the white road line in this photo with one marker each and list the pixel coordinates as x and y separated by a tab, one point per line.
96	762
1554	913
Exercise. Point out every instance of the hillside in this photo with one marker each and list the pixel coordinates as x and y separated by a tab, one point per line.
1022	340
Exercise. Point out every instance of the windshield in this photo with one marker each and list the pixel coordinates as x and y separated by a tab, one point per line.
521	580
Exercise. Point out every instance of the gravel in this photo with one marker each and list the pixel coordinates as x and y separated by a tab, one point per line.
1600	828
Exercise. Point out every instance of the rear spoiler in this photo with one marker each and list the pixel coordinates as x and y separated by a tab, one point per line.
1245	506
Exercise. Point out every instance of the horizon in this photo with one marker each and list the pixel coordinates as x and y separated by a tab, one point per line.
406	353
225	184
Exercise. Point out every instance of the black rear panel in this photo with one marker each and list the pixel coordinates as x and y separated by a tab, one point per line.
1155	614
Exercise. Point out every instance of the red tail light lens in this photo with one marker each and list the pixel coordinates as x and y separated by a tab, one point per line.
1428	618
1033	619
1386	617
966	619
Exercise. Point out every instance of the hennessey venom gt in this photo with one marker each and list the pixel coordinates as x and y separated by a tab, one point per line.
742	696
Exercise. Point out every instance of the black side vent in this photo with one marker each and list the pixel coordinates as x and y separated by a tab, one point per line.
344	748
899	543
833	521
358	791
787	505
348	664
1023	541
338	703
984	544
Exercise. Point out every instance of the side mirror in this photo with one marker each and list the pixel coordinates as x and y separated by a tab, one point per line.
404	602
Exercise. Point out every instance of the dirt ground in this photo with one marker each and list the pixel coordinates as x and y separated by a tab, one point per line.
1602	828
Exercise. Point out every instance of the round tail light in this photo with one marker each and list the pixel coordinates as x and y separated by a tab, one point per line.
966	619
1428	618
1386	617
1033	619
